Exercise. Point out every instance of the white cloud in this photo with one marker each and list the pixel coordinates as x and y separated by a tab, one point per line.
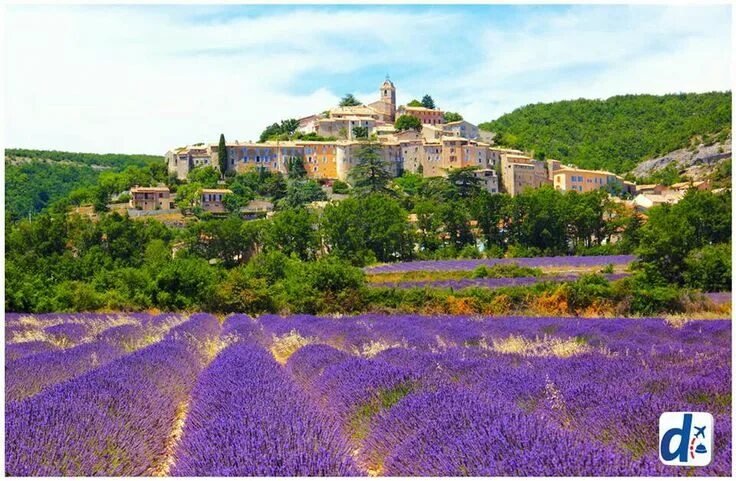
132	79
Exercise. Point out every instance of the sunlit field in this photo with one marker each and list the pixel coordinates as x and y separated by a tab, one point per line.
369	395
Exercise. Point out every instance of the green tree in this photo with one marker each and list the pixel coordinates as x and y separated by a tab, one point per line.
222	155
289	127
709	268
427	102
452	117
207	176
371	173
300	192
372	227
464	181
293	231
270	131
295	167
414	103
188	195
360	132
408	122
701	218
349	101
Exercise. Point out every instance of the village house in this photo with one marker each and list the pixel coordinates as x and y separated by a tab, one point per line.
425	115
462	128
581	180
150	198
211	200
519	172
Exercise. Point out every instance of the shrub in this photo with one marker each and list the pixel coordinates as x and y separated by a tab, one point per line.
709	268
340	187
655	300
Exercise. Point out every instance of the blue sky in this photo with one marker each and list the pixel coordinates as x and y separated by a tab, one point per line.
146	78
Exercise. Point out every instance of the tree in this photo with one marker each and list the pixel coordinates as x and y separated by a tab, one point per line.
300	192
206	175
427	102
709	268
218	239
292	231
295	167
414	103
289	127
349	101
368	228
371	174
463	181
233	202
270	131
188	195
408	122
222	154
490	211
672	232
360	132
452	117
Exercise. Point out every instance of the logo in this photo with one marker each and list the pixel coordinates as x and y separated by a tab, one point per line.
686	439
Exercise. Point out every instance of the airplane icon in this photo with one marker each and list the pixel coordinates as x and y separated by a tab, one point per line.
700	431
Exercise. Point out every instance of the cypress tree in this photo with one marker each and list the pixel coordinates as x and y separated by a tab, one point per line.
222	154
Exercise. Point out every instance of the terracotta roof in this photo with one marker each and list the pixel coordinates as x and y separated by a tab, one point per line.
217	191
149	189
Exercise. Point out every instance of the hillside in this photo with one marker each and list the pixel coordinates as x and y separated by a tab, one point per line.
618	133
36	178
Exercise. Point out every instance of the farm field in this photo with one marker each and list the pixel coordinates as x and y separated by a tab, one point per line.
490	283
470	264
140	395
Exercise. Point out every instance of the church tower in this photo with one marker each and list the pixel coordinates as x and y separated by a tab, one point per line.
388	97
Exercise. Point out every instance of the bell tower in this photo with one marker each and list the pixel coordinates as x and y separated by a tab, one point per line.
388	97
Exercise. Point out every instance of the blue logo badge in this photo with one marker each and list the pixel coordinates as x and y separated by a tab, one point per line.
686	439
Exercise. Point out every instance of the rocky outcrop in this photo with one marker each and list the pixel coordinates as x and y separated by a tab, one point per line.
694	163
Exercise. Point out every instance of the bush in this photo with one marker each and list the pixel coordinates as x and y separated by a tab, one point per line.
709	268
340	187
655	300
505	270
590	289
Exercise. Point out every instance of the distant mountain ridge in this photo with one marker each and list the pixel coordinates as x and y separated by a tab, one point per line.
618	133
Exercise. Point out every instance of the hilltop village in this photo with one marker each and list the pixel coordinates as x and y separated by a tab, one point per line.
410	138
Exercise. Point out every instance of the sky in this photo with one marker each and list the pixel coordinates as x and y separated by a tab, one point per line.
144	79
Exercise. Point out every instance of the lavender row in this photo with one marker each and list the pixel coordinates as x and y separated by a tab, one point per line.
491	283
470	264
719	297
113	421
31	374
247	418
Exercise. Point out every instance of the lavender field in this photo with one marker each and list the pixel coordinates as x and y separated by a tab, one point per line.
470	264
491	283
144	395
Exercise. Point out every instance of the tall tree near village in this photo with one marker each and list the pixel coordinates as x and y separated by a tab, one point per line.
428	102
371	174
349	100
222	154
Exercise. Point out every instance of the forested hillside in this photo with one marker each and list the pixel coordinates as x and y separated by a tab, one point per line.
617	133
36	178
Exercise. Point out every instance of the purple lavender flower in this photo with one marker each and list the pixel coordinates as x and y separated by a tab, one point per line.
491	283
248	418
114	421
23	349
31	374
470	264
